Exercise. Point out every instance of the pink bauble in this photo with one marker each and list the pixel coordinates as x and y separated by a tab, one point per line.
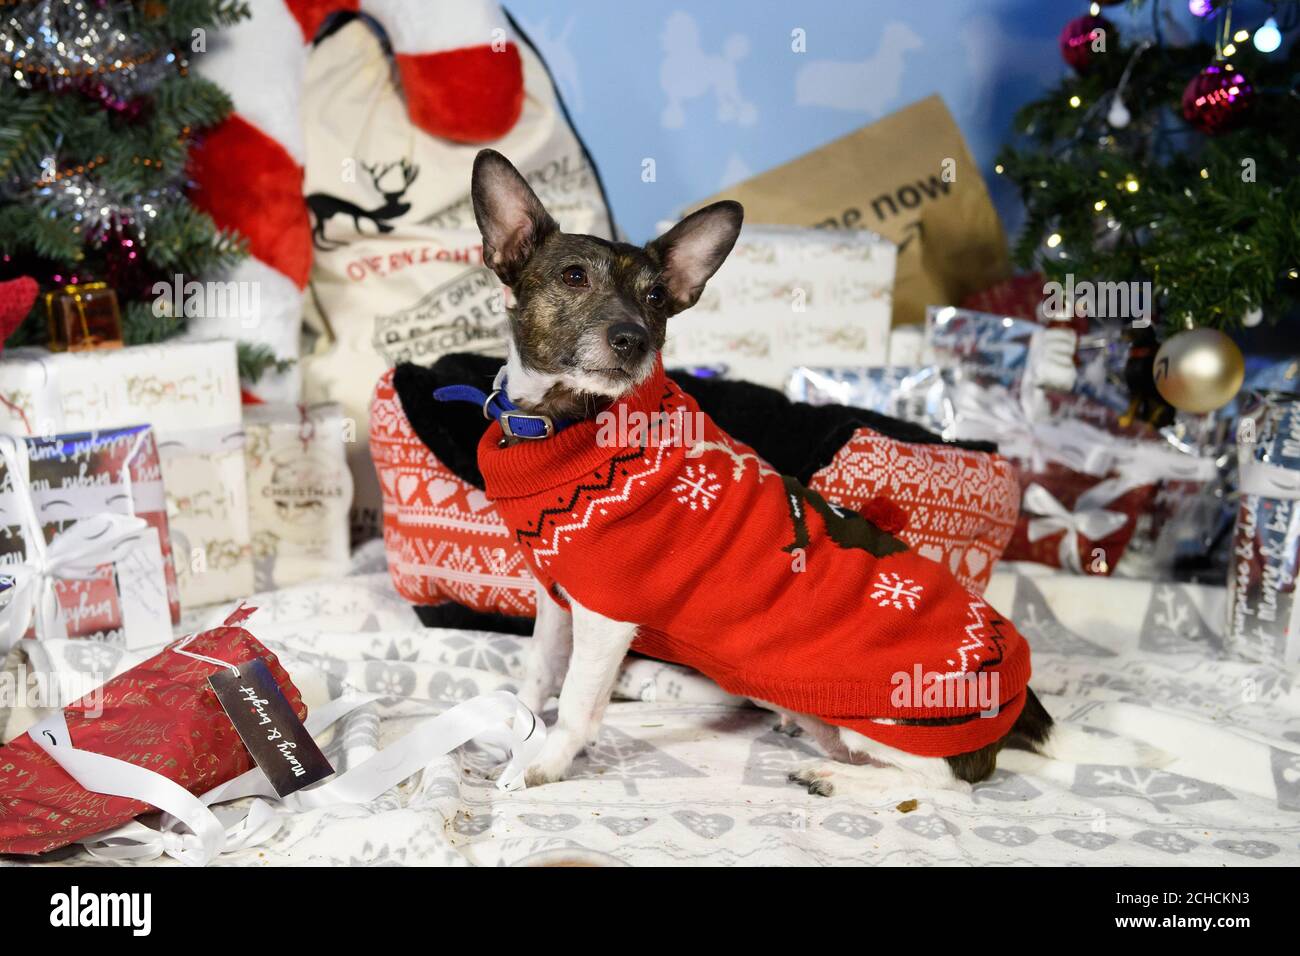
1078	37
1217	99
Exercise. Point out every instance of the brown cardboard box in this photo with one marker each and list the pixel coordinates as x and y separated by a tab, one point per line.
908	177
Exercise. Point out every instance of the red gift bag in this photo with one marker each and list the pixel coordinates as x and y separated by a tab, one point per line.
161	715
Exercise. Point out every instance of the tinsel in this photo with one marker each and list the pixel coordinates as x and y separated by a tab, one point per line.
97	112
81	45
96	212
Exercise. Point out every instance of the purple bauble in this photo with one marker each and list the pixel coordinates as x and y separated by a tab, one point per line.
1078	37
1217	99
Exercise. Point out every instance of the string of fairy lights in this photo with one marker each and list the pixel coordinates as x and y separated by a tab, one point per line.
1197	367
1210	95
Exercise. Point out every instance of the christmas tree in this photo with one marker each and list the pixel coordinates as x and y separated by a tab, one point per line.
98	108
1176	164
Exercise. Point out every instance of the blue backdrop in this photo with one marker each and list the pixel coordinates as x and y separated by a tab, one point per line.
714	93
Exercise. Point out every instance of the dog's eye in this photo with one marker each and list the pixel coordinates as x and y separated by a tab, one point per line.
575	276
656	297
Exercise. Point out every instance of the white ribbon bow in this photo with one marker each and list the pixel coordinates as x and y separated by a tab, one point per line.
995	415
74	554
498	718
1088	520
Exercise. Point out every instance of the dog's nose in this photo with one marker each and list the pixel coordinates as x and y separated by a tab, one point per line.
627	339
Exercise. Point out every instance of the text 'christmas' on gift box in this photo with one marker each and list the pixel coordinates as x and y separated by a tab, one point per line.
300	490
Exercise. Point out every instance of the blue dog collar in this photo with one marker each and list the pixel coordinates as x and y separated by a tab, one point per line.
497	405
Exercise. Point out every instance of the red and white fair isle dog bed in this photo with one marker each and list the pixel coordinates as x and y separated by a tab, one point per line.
447	542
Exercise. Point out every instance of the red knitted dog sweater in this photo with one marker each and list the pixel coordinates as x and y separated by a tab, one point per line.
752	579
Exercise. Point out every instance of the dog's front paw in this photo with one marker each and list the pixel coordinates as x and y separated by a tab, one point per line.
553	762
535	776
532	697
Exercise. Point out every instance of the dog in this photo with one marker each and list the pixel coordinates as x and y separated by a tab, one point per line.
586	331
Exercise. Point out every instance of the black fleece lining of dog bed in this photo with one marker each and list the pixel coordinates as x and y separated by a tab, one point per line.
794	437
450	614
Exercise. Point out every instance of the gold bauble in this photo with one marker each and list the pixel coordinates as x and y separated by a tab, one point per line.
1199	370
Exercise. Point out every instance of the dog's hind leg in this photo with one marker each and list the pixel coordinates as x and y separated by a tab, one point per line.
859	765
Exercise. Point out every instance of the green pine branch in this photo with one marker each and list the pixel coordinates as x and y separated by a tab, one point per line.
184	239
140	161
1212	222
255	360
140	326
29	131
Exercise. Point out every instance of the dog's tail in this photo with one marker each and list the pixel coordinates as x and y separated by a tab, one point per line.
1071	743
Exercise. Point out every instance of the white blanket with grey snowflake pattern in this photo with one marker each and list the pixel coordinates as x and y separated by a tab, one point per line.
683	773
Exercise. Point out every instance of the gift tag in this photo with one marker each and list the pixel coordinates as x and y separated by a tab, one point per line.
279	743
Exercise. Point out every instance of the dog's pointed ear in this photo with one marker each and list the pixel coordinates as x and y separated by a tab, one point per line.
691	251
510	217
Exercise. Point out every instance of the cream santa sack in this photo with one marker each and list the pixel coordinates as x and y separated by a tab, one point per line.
401	279
462	79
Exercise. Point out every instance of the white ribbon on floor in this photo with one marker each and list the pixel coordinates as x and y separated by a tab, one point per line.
1088	519
498	718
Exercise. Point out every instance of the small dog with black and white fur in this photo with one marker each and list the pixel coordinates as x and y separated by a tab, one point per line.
699	553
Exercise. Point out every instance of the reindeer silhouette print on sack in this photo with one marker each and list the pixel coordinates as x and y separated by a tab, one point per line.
324	207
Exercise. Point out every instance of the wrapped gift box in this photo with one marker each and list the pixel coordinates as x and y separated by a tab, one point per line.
1263	609
910	393
1047	396
207	503
189	392
52	486
300	490
787	297
1076	521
